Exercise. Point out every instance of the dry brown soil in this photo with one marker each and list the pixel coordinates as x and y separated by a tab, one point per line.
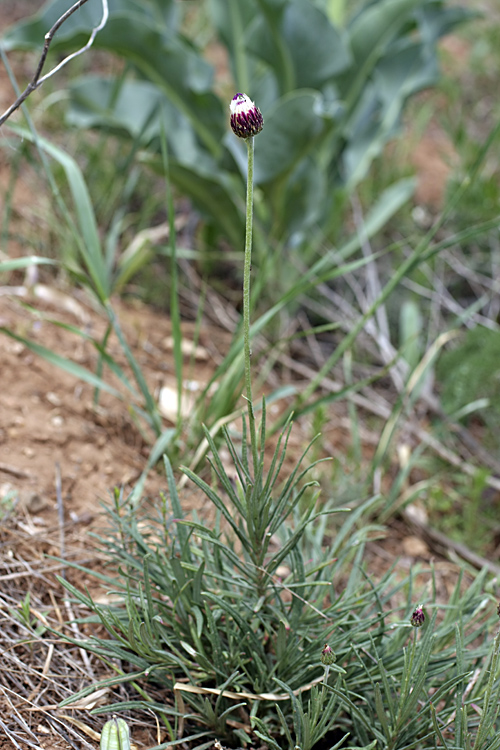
48	418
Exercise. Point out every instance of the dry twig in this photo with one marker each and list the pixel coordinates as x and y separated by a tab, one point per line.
446	545
19	473
38	79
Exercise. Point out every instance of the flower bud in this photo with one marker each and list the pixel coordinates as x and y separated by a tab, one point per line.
246	118
418	618
328	656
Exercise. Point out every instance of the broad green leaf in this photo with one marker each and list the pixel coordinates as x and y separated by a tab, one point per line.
264	89
405	69
434	21
383	55
336	11
132	109
136	109
231	19
272	6
376	118
267	26
175	67
318	50
225	21
30	34
290	128
304	199
313	47
377	25
216	196
141	36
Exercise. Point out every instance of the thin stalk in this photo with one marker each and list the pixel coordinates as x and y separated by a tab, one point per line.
285	71
240	58
175	315
7	211
246	300
100	362
405	691
407	677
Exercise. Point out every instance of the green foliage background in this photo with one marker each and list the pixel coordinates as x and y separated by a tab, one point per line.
332	96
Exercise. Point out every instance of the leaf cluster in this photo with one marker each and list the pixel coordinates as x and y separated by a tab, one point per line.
230	614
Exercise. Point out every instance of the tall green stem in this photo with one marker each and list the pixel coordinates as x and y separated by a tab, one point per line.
246	300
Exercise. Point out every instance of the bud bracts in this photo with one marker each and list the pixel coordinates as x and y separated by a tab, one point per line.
328	656
246	118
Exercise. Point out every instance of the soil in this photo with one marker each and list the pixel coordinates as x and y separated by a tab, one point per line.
51	430
49	418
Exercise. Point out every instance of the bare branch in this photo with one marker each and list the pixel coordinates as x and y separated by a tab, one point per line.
38	79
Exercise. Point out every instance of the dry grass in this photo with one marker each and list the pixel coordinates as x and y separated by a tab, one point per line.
39	668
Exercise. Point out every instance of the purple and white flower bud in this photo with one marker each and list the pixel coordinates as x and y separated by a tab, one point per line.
418	618
246	118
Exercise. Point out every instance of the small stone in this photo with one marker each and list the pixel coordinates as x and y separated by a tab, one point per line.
53	399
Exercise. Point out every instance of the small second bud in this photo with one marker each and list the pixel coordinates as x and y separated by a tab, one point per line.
328	656
418	618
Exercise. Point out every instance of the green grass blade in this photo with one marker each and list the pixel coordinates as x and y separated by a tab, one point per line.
90	244
104	357
30	260
151	406
65	364
157	451
175	315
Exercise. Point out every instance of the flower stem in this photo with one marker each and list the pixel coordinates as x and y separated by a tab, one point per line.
246	300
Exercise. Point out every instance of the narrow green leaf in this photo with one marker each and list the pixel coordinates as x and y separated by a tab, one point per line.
158	450
30	260
65	364
90	246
